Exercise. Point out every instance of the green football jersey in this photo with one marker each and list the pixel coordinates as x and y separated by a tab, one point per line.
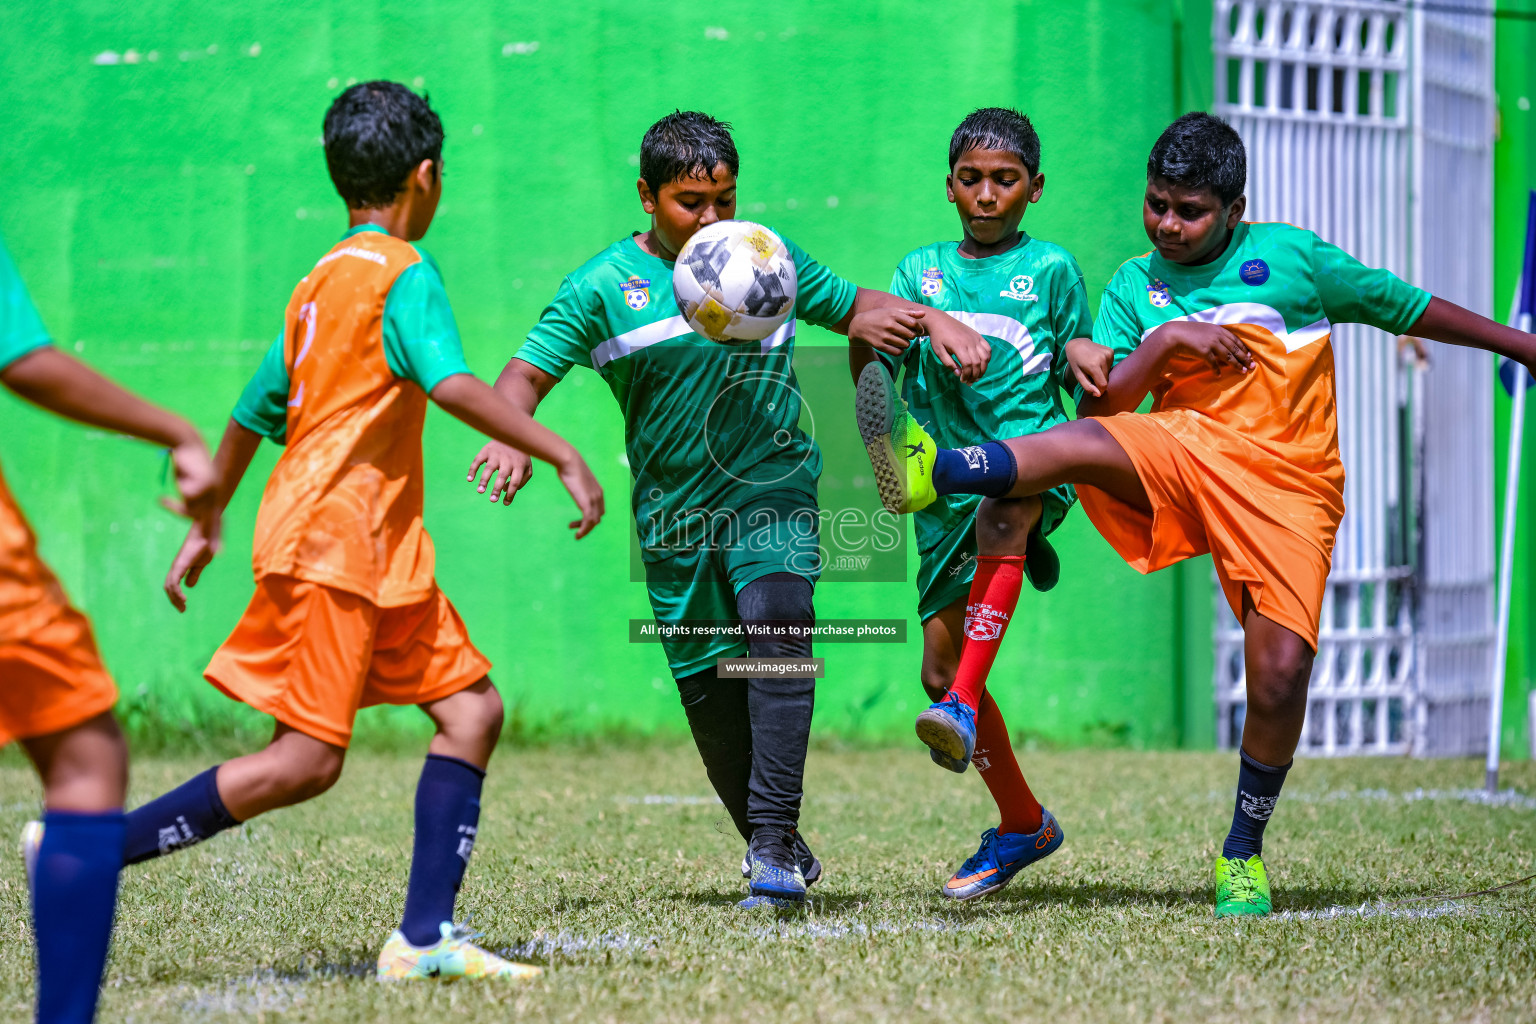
707	426
1028	303
1280	289
21	329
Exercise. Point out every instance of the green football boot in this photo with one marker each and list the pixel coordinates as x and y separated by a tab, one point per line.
900	450
1242	887
448	959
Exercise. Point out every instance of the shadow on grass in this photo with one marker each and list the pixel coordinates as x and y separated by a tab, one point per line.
1033	898
1102	894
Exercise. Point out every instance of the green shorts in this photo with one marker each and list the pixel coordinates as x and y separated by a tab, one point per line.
772	534
946	533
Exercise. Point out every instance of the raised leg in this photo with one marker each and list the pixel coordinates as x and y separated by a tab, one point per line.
292	768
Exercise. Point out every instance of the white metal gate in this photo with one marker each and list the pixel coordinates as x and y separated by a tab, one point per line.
1369	122
1453	257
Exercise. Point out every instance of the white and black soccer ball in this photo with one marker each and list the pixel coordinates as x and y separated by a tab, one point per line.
735	281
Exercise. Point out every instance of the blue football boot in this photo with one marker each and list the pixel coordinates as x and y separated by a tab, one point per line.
949	728
810	867
775	870
1001	856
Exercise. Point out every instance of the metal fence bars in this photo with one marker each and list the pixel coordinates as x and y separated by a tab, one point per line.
1370	122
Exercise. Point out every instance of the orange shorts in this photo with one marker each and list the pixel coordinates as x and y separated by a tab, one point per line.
311	655
1203	500
53	679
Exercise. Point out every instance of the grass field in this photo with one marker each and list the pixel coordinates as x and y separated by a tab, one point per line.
610	866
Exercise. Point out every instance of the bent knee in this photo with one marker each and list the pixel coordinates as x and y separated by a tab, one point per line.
1003	524
937	681
493	716
302	782
476	713
1283	683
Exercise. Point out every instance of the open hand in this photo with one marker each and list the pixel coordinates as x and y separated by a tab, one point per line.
506	470
1211	342
959	347
195	554
198	484
1091	363
586	491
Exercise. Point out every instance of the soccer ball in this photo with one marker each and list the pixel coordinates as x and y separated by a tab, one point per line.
734	281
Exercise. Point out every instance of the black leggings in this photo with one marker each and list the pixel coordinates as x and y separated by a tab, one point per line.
752	733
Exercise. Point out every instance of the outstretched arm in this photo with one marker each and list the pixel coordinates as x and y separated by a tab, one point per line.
507	469
1450	323
888	329
880	319
236	449
1132	380
62	384
468	398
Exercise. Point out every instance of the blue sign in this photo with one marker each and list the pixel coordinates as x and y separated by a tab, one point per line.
1525	303
1510	372
1254	272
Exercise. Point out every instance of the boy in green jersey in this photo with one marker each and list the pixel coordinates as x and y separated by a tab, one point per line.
724	478
1227	324
1026	297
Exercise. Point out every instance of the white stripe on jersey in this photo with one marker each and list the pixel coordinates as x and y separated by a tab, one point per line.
1006	328
785	333
1259	315
641	337
631	342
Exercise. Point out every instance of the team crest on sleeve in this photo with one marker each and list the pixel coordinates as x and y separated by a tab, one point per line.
933	282
1157	293
637	293
1022	288
1254	272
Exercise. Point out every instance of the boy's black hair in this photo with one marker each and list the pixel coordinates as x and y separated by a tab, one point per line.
1001	128
376	133
686	143
1201	151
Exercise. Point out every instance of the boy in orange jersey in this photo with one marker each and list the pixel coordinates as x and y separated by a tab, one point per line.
1227	324
346	611
55	696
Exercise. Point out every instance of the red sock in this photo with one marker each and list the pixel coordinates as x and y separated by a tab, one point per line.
994	595
1000	771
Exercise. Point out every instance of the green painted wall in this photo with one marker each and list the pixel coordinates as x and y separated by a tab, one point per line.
1514	177
162	207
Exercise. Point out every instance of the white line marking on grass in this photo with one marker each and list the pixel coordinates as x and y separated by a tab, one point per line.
1375	910
268	990
858	929
570	944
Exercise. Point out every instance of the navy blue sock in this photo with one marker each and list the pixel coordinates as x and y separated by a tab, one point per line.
987	469
1258	787
447	814
183	817
74	895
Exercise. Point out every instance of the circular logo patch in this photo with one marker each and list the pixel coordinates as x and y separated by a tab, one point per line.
1254	272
